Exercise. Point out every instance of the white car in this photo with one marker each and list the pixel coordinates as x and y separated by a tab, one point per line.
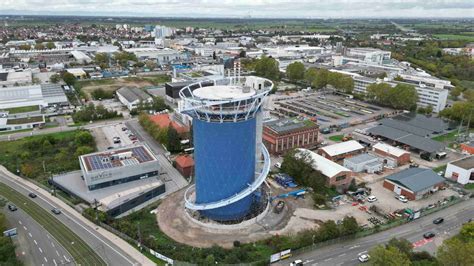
371	198
401	198
278	165
364	258
296	263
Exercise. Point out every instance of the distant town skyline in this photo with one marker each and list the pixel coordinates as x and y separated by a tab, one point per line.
246	8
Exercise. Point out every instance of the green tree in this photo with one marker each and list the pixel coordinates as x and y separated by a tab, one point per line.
467	232
173	141
39	46
405	97
55	78
50	45
388	256
267	67
295	71
402	245
456	252
321	79
83	150
455	92
24	47
150	64
69	78
102	59
122	58
84	138
379	92
310	75
349	226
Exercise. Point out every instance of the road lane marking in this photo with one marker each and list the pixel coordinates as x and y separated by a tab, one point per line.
45	259
52	244
342	255
24	227
20	222
55	264
57	252
365	251
36	243
328	259
40	250
353	247
66	258
30	234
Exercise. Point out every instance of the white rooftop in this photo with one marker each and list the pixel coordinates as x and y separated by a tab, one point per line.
389	149
325	166
343	147
223	92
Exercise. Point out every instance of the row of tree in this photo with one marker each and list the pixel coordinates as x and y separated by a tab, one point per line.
38	46
7	248
458	250
91	112
402	96
121	58
320	78
167	136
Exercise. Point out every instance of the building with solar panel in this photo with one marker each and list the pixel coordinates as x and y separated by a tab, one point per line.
231	163
118	166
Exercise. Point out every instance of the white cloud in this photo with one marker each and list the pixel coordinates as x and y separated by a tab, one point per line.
255	8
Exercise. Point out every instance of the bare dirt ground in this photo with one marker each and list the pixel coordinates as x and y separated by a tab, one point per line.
113	85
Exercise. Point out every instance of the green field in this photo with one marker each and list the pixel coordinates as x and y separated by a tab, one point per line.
446	137
336	138
455	37
79	250
19	121
24	109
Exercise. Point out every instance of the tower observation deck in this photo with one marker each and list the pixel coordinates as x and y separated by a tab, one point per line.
231	163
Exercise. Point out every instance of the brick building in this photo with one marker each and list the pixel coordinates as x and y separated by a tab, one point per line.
167	120
285	134
398	156
468	147
340	151
185	165
336	174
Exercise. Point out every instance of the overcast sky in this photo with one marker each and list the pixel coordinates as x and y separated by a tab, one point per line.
242	8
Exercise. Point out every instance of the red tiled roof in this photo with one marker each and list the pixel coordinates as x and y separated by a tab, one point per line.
163	120
184	161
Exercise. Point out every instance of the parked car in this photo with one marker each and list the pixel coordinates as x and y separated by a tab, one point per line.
364	258
32	195
429	235
278	165
56	211
401	198
116	140
12	207
371	198
296	263
124	128
438	220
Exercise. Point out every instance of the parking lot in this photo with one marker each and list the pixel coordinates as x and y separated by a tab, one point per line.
104	136
328	109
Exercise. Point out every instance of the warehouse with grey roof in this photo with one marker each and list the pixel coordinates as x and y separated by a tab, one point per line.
414	183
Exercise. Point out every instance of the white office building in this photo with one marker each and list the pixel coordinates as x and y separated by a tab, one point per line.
461	171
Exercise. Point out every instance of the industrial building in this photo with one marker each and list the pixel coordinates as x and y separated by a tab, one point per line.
117	181
413	131
16	78
393	156
20	107
113	167
336	174
461	171
132	97
414	183
468	147
340	151
285	134
231	163
364	162
161	56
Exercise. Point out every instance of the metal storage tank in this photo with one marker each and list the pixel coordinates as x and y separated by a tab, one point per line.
231	162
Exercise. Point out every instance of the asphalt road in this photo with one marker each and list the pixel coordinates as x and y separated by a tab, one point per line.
346	253
35	246
108	251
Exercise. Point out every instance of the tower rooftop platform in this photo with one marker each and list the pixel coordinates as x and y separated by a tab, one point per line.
226	92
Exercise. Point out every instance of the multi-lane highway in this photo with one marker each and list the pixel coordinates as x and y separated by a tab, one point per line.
35	246
346	253
104	250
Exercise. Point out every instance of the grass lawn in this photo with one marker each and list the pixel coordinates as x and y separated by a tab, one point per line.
24	109
469	186
18	121
455	37
446	137
440	168
336	138
79	250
